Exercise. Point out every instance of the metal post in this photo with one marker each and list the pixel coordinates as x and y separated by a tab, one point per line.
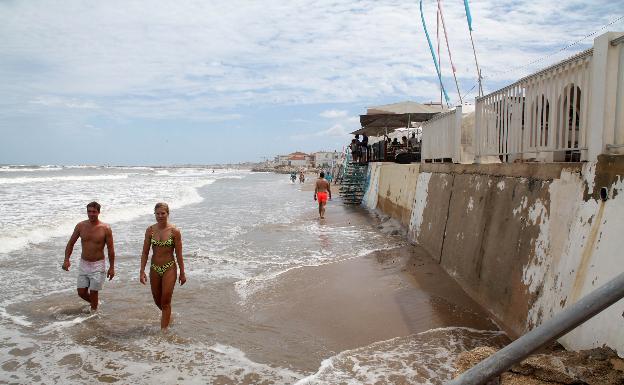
559	325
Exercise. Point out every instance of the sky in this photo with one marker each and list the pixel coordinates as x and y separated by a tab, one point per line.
139	82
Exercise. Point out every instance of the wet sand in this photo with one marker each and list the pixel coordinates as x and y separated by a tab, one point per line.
310	180
355	302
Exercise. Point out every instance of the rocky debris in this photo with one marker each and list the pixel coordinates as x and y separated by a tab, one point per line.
600	366
391	226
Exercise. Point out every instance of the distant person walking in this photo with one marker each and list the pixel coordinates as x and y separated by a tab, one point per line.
94	235
321	192
301	177
164	239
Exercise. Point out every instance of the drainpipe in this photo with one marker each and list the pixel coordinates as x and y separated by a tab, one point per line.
559	325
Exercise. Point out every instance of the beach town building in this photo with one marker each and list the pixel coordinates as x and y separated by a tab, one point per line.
281	160
299	159
295	159
326	158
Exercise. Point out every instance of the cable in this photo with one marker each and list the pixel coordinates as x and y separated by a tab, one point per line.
466	93
474	51
448	47
435	61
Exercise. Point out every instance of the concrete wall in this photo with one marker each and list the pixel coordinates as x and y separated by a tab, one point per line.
583	237
396	189
372	185
524	240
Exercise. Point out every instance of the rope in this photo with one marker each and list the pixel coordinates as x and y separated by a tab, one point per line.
435	61
448	47
474	51
438	47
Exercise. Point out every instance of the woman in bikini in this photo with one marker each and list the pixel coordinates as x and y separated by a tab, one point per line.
164	238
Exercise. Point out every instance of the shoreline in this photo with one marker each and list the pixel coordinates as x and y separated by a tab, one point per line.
292	323
355	302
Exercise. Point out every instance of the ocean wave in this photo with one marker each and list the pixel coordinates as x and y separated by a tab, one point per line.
179	361
186	173
425	358
82	166
20	240
28	236
14	168
69	178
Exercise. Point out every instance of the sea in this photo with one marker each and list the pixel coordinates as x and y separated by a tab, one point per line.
242	233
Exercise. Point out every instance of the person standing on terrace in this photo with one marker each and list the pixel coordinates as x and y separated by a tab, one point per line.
356	149
364	149
413	141
321	191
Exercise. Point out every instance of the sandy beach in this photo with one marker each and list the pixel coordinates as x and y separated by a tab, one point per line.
274	295
352	303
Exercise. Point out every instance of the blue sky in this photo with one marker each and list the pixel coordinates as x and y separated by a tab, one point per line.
159	83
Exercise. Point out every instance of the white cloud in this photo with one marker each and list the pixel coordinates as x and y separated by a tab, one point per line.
336	131
56	101
334	114
190	59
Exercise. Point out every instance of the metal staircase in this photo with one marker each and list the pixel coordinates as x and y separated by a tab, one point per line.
353	183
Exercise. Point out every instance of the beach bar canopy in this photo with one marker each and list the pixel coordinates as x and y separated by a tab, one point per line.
380	120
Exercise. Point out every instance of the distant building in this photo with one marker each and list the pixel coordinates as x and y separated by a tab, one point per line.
326	158
299	159
303	160
282	160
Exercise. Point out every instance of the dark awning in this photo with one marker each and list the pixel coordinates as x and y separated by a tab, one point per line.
379	124
380	120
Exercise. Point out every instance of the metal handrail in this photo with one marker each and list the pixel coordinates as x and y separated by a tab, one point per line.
559	325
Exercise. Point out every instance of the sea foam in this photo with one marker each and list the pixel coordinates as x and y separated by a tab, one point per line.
426	358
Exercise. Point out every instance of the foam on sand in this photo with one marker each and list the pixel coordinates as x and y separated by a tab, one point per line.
67	323
246	288
16	319
423	358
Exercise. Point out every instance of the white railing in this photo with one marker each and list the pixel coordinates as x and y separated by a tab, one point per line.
615	139
542	116
441	137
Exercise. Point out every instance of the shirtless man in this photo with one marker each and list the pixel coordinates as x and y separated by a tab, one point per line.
93	236
321	190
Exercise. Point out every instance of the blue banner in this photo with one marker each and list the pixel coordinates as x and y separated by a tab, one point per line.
468	16
435	60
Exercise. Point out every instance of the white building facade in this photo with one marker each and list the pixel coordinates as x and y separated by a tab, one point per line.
326	158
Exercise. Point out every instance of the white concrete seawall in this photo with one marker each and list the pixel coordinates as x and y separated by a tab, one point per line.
524	240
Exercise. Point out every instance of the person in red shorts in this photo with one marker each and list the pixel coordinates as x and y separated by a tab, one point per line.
322	191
